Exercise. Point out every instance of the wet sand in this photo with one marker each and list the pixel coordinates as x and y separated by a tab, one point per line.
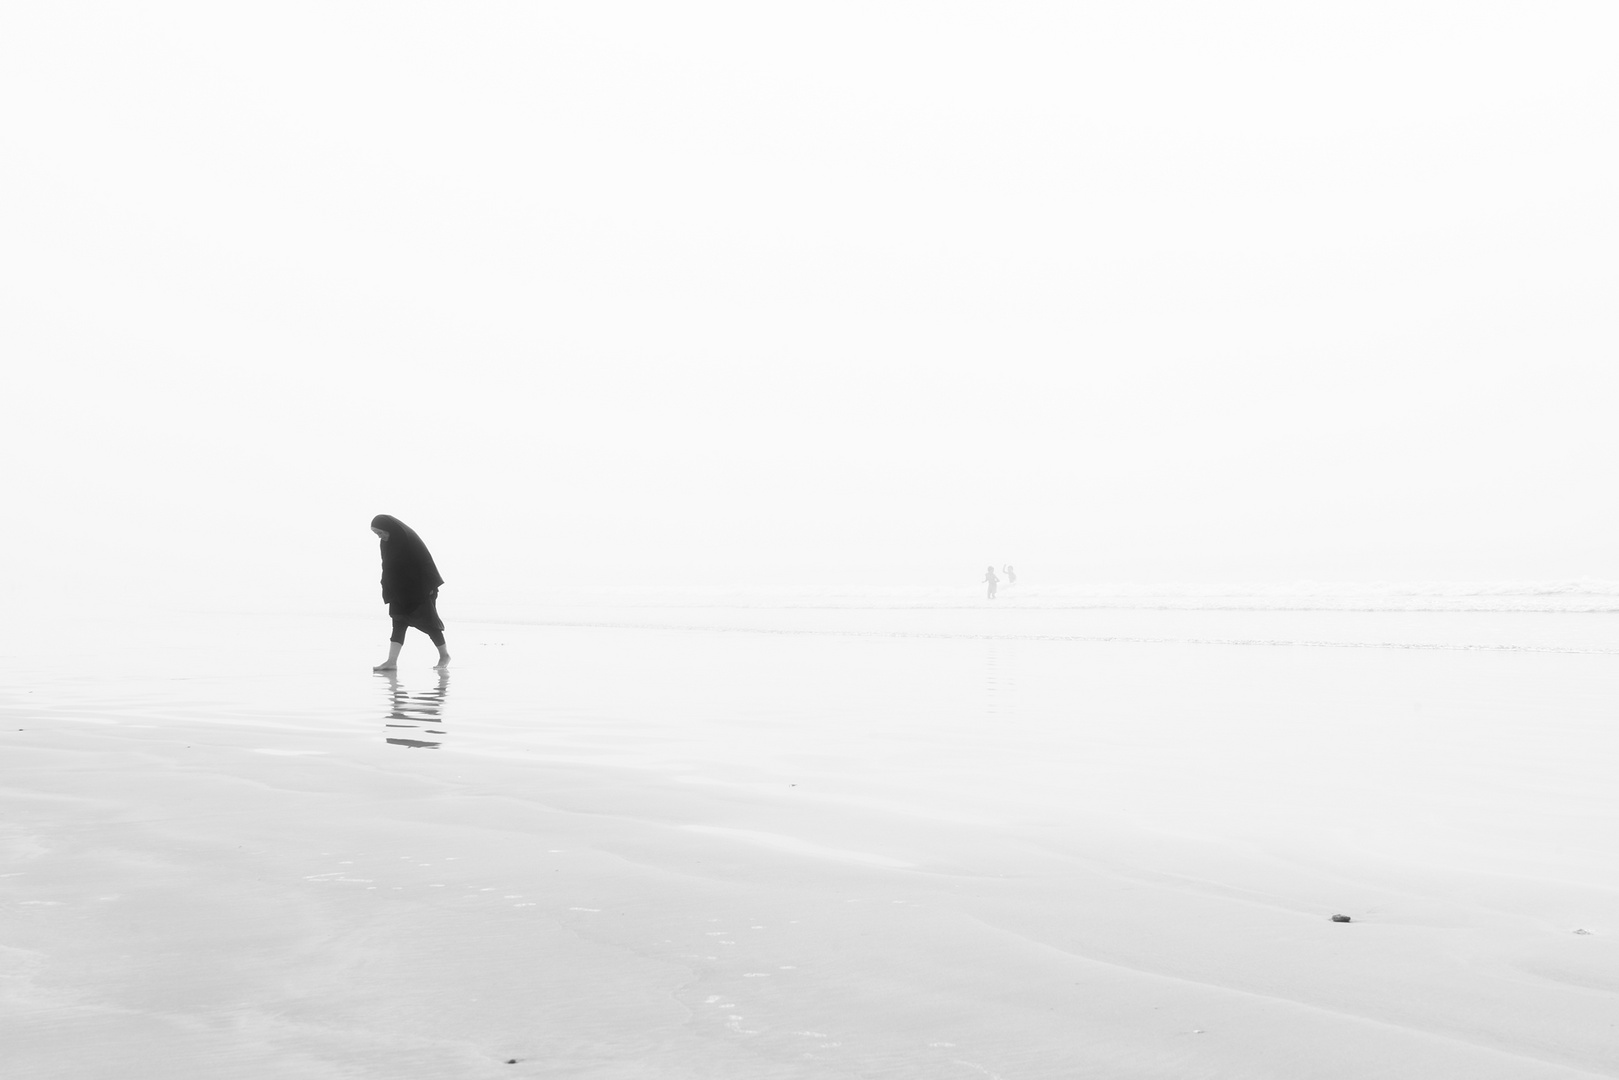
931	845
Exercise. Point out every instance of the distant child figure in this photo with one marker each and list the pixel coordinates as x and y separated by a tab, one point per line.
989	576
410	584
1011	575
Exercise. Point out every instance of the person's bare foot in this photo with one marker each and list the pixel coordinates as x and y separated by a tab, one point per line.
443	663
387	665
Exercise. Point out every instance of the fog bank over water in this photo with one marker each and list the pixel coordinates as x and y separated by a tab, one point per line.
866	294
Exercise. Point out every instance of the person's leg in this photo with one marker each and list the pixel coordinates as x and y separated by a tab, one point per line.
395	643
437	638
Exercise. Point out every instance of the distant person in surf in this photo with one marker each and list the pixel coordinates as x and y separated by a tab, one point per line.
989	576
1011	575
410	584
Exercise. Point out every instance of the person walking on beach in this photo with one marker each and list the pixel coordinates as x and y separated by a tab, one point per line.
989	576
1011	575
410	584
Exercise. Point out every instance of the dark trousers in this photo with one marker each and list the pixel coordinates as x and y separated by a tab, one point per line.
401	625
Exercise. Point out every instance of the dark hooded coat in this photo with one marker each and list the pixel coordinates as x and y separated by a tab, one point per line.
410	579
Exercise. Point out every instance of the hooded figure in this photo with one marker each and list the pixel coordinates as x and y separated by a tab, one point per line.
410	582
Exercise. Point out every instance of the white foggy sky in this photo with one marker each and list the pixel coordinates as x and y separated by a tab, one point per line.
754	292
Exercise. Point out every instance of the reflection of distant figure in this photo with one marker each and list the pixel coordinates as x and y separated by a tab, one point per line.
410	584
989	576
1011	575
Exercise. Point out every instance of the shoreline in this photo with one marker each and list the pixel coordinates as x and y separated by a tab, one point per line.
809	856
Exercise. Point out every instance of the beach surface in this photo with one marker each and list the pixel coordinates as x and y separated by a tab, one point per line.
861	840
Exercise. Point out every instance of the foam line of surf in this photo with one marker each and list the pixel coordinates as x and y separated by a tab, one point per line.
1126	639
1561	597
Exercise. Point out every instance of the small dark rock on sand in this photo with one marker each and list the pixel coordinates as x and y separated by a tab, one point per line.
1340	918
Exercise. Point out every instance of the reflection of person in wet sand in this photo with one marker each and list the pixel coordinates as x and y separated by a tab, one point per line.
410	584
415	712
989	576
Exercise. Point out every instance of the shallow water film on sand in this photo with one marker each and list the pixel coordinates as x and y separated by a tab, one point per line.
678	841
